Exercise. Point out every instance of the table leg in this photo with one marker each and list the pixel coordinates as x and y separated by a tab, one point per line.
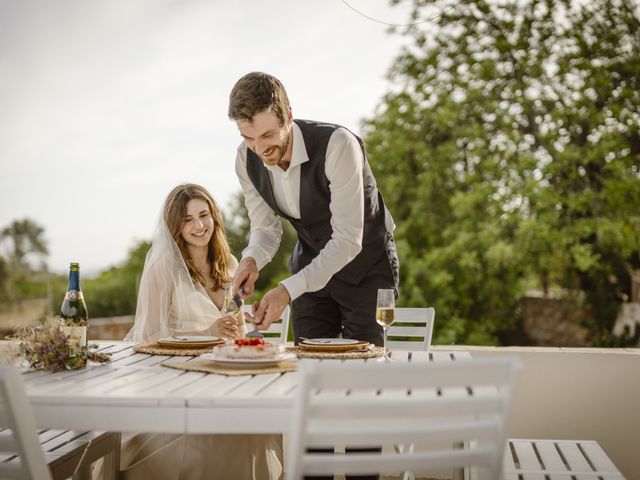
460	473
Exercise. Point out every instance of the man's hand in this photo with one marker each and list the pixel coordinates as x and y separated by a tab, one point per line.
246	275
270	307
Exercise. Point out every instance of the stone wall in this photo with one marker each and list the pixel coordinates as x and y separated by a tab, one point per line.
552	322
28	313
110	328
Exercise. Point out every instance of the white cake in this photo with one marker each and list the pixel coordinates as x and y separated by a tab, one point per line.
248	348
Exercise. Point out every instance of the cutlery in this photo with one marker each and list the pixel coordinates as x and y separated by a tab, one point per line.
255	333
235	304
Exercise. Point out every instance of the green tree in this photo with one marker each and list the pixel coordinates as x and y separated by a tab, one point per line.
25	241
22	265
509	151
4	282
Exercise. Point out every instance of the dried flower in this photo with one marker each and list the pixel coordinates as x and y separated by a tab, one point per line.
49	348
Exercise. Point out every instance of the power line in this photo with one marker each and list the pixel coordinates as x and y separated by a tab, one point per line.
396	24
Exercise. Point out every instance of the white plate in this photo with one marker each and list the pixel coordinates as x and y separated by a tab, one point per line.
189	340
248	362
330	341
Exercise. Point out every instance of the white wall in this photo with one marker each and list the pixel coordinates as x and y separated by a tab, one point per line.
578	394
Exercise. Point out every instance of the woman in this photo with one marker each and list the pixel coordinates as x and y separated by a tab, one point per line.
182	291
186	271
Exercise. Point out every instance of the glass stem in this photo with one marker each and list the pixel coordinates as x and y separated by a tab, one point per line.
384	336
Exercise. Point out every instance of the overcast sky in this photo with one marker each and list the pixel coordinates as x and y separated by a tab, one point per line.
106	105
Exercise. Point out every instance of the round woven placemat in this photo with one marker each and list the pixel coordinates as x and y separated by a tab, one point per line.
155	349
209	366
371	352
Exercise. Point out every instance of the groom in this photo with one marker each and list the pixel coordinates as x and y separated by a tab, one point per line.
316	176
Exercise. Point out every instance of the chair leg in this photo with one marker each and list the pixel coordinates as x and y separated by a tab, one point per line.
399	448
460	473
83	473
111	461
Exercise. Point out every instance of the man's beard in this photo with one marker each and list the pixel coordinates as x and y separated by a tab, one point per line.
279	152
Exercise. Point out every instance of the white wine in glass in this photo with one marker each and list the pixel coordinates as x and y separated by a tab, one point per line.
385	314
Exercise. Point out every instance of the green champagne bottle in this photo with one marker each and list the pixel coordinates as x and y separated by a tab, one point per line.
73	312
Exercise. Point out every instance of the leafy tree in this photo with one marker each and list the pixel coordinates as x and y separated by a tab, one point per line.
4	282
25	240
509	155
22	244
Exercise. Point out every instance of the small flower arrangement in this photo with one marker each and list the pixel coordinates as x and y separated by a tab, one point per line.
49	348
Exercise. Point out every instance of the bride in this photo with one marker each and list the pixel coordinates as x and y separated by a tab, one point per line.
182	291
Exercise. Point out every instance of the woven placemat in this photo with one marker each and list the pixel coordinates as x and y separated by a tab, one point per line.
371	352
209	366
155	349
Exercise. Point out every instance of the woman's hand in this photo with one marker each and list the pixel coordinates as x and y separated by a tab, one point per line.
226	327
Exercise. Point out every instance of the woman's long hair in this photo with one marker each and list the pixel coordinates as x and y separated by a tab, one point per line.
175	209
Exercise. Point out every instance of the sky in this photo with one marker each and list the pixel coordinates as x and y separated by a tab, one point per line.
105	106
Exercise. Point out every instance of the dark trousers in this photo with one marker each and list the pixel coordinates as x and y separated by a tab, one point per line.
347	451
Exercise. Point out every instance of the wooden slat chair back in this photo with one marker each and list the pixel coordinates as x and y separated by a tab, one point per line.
277	331
64	453
528	459
20	443
412	329
437	405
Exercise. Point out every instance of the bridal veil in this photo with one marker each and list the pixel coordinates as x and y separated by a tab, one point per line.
169	302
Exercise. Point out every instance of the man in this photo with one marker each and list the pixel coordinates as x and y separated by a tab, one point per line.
316	176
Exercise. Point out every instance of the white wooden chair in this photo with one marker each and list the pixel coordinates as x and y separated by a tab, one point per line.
526	459
26	453
18	417
433	404
278	330
412	329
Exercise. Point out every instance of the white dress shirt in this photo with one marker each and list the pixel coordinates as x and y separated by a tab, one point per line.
343	167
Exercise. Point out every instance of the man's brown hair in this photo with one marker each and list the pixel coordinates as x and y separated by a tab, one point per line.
255	93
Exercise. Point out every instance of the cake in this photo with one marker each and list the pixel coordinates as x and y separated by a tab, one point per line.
248	349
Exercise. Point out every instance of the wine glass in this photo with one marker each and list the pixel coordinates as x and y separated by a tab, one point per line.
385	314
232	303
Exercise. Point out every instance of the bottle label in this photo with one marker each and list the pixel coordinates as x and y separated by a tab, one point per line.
74	295
76	334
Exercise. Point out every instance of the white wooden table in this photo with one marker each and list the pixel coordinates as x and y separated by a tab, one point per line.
134	393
